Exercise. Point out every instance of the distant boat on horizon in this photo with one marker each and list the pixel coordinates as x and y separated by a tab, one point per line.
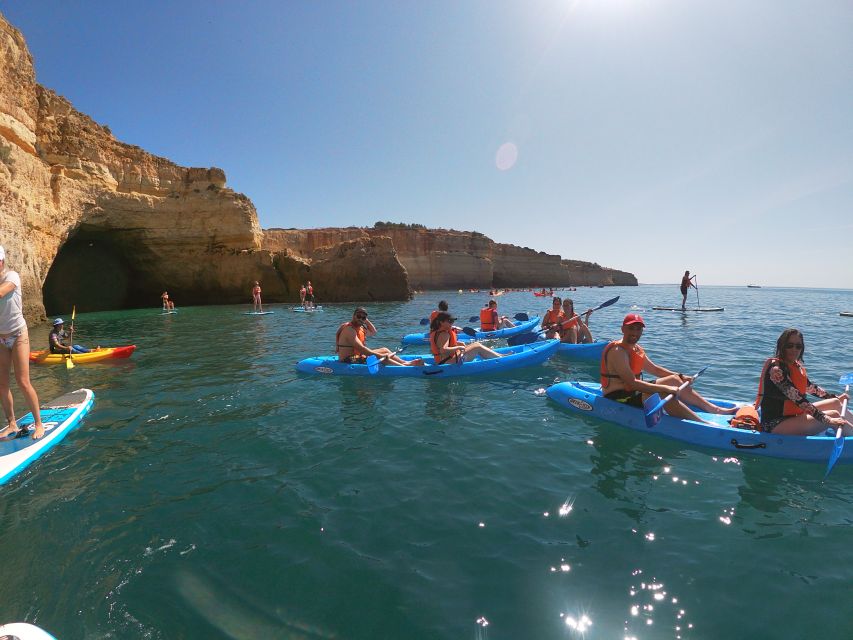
753	286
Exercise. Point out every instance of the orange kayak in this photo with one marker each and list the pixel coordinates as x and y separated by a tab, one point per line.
95	355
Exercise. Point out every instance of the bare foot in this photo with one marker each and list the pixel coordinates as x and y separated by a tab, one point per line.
726	411
418	362
39	432
10	430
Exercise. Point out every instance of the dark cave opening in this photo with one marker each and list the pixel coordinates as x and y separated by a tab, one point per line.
93	272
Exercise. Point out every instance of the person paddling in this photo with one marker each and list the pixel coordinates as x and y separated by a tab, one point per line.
686	283
256	297
622	365
574	330
15	351
309	296
782	390
445	347
55	340
442	307
351	347
490	320
552	318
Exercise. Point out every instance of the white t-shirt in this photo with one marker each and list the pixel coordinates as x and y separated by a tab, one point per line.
11	310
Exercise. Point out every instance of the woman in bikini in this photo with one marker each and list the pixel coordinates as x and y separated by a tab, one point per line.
15	351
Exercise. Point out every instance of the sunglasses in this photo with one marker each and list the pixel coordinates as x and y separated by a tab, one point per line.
361	317
793	345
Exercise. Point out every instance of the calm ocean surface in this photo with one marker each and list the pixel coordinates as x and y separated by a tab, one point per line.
214	493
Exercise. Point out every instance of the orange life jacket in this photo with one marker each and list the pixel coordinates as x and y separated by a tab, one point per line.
488	319
568	324
636	357
799	378
551	318
359	331
433	315
433	343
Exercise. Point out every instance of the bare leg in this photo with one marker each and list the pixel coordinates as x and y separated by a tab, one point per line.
481	350
570	335
393	359
805	425
505	323
833	404
680	410
21	360
690	396
6	393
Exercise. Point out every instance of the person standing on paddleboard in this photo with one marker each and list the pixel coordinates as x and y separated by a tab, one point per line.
168	305
622	365
256	297
15	351
782	391
309	296
351	347
686	283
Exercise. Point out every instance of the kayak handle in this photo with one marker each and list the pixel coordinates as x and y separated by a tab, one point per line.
760	445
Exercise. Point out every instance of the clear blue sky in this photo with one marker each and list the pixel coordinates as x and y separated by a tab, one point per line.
651	135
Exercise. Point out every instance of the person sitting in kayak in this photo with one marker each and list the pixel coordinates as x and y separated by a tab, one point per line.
446	348
782	391
622	365
490	320
686	283
442	306
57	334
168	305
351	338
572	329
552	318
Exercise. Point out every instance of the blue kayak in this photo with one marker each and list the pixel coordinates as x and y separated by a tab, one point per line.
589	351
522	327
515	358
585	398
59	417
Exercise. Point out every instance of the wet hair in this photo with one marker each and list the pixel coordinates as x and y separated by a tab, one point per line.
786	337
493	302
359	310
442	304
556	299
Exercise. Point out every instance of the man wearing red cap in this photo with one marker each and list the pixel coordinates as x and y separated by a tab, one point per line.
623	363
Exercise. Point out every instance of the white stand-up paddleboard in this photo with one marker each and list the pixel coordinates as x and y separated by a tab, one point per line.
23	631
168	313
59	417
310	310
846	314
257	313
688	309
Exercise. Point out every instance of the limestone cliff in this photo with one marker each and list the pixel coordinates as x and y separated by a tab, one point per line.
448	259
90	221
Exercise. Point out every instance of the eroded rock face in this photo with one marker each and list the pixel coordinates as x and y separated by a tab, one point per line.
97	223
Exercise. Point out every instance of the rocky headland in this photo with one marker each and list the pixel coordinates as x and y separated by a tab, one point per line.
88	220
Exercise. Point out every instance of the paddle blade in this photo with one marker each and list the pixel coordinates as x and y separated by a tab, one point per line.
468	331
524	338
73	312
474	319
847	378
523	317
653	408
372	363
837	448
69	363
424	321
607	303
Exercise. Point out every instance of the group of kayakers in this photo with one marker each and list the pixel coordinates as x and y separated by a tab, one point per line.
782	388
561	322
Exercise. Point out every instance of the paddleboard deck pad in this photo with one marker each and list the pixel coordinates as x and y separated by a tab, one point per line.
59	417
688	309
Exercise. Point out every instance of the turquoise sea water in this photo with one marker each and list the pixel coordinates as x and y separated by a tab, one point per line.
215	493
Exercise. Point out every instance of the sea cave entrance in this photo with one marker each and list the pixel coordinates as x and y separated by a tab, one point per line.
96	270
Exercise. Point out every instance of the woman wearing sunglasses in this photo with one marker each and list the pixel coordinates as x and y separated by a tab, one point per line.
351	347
782	390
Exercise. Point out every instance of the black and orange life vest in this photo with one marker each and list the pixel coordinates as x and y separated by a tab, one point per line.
773	402
359	331
636	357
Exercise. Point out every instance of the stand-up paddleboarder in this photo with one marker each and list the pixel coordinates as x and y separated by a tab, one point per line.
686	283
